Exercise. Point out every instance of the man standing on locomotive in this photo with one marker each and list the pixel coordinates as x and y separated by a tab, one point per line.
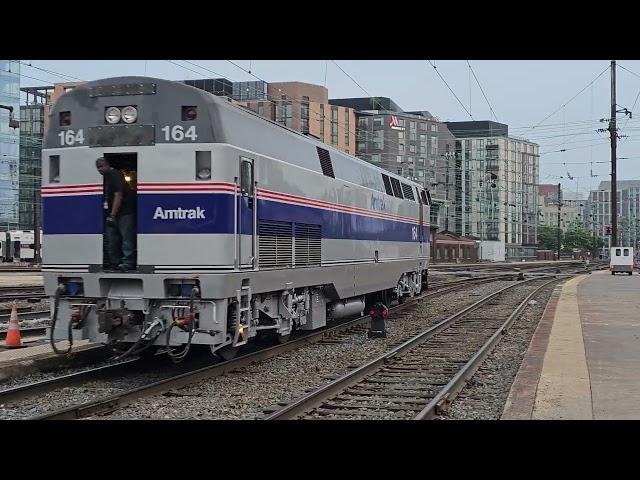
120	225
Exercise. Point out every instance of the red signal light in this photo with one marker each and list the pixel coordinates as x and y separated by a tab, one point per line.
189	113
65	119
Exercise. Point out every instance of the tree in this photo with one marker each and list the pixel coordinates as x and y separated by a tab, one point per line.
548	238
579	238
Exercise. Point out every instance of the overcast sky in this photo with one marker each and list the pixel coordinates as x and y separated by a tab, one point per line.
522	93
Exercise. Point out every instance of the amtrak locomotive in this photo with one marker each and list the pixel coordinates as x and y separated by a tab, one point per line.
244	227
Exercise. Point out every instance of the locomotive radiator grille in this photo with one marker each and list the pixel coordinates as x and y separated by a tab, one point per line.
308	241
275	244
284	245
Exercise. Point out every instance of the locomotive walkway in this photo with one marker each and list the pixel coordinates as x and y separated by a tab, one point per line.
583	360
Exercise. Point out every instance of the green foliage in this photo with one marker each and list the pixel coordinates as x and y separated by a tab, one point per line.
576	238
548	238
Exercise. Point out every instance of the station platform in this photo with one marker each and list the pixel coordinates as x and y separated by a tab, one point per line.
583	361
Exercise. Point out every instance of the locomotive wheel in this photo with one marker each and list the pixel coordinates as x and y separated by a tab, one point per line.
228	352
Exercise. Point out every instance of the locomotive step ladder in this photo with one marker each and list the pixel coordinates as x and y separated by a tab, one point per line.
243	315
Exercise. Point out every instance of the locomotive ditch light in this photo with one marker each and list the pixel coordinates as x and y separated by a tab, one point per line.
65	119
129	114
204	173
189	113
112	115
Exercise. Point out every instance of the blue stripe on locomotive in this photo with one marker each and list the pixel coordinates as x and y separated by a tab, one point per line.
82	214
79	214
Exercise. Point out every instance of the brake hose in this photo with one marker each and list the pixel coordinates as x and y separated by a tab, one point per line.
56	303
132	350
178	357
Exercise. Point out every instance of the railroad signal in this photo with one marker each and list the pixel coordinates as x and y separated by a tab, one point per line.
378	314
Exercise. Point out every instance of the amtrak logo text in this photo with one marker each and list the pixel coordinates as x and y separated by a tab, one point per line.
377	203
179	213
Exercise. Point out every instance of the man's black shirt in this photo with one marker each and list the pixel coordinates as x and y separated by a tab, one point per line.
114	182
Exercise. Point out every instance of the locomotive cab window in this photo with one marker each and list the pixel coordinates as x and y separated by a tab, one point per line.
54	168
246	176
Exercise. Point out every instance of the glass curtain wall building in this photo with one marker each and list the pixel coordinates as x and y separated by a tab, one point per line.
9	144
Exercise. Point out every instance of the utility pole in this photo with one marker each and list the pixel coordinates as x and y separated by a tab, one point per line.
559	207
36	229
614	138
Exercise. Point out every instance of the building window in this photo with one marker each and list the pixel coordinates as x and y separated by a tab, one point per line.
399	158
410	160
434	145
420	160
378	121
401	147
375	158
378	139
401	122
434	127
399	170
423	149
346	126
423	138
284	112
304	115
334	125
412	148
261	109
400	135
423	126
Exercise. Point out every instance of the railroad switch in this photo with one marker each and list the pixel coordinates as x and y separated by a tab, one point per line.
378	314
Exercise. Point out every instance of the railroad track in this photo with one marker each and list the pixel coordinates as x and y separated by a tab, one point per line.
421	376
119	400
9	268
8	294
36	315
27	332
105	405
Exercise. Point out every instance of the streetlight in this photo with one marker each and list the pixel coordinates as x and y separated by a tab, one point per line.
13	123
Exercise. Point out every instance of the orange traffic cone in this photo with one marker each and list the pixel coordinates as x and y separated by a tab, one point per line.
13	332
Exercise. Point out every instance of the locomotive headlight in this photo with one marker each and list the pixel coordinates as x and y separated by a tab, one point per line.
129	114
112	115
204	174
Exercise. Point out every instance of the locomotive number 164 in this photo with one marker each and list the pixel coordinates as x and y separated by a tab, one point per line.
177	133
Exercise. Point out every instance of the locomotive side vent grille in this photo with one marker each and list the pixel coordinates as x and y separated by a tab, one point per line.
275	244
408	192
325	162
397	190
387	184
308	241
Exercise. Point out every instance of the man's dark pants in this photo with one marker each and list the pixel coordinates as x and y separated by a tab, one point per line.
121	235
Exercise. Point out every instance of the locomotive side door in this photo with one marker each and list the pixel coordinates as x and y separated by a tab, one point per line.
246	215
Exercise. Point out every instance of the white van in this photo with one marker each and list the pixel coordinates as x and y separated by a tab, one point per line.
621	260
